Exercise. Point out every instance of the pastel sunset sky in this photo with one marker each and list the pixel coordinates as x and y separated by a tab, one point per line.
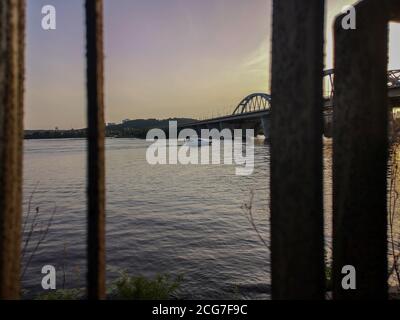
164	58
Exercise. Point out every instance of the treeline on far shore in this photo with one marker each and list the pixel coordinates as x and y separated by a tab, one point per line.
127	129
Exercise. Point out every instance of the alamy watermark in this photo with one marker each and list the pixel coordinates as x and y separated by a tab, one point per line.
212	147
49	19
49	280
349	280
349	21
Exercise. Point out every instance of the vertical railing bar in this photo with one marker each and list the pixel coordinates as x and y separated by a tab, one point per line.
360	152
21	29
12	24
297	255
95	159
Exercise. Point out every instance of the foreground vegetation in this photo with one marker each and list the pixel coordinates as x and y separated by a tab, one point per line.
126	287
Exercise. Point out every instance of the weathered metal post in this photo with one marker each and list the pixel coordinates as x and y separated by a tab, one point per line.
296	150
95	163
12	26
360	147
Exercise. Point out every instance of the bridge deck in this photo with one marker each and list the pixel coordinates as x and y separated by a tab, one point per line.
393	93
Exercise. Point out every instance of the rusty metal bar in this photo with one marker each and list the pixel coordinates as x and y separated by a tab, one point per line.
12	25
360	146
96	161
297	251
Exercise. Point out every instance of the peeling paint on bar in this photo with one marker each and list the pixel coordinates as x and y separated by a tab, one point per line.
12	25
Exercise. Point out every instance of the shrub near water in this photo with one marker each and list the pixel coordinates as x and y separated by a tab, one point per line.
126	287
141	288
63	294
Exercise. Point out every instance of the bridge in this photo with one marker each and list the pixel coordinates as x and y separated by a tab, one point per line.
253	111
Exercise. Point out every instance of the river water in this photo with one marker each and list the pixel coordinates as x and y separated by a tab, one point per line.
175	219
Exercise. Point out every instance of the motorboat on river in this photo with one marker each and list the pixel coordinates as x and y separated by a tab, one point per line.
197	142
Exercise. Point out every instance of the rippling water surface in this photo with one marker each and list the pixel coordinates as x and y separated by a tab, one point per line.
171	219
175	219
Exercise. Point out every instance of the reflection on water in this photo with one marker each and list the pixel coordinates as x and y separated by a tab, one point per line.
160	219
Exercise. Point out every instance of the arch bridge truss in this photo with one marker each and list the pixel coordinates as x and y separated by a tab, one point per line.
262	101
329	77
253	102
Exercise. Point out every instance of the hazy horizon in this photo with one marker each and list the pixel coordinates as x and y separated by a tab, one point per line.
164	59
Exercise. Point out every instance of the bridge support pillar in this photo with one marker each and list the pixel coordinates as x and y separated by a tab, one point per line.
248	125
226	125
266	126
